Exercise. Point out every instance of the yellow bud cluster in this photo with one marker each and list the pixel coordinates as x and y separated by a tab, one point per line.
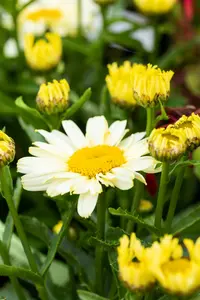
119	83
154	7
168	144
164	262
7	149
151	85
44	54
53	97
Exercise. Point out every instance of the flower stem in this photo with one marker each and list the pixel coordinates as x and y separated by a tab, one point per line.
139	188
79	17
7	191
101	214
161	194
174	199
150	119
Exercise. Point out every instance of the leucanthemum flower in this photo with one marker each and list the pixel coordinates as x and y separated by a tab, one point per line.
133	269
79	164
176	273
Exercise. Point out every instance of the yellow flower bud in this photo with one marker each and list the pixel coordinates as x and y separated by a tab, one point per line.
119	83
57	227
7	149
43	55
53	97
167	144
155	6
191	126
151	85
145	206
104	2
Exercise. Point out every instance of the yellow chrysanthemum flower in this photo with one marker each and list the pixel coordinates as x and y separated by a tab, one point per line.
155	6
176	273
151	85
53	97
7	149
57	227
43	55
167	144
191	126
119	82
134	274
145	206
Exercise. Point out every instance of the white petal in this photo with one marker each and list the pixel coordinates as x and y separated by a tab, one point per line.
58	139
156	167
140	164
105	179
75	134
117	132
123	178
40	165
34	183
139	177
131	140
137	150
96	130
59	187
54	150
38	152
86	204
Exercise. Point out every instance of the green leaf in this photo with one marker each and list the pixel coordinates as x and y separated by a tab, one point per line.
7	106
77	105
7	235
8	293
30	115
134	217
184	164
84	295
30	131
21	273
186	219
82	264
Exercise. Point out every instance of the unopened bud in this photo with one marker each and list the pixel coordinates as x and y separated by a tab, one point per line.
7	149
53	97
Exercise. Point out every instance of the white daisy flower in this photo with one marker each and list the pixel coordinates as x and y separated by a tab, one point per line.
60	16
81	164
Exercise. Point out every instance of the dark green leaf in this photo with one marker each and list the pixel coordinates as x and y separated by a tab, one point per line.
184	164
7	106
30	131
134	217
30	115
186	219
84	295
77	105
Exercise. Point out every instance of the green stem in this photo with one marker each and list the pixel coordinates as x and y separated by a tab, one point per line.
6	186
7	190
139	188
150	120
101	212
58	238
161	194
79	17
13	279
174	198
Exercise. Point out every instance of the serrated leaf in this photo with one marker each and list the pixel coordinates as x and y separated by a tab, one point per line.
184	164
186	219
84	295
77	105
30	115
106	244
135	218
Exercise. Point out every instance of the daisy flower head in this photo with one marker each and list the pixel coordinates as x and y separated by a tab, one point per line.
155	7
82	164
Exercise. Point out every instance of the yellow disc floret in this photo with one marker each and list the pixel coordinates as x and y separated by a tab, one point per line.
43	55
119	82
155	6
191	126
133	270
151	85
53	97
99	159
167	144
176	273
145	206
7	149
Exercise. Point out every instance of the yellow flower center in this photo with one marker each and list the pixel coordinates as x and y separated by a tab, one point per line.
99	159
47	14
176	266
186	124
